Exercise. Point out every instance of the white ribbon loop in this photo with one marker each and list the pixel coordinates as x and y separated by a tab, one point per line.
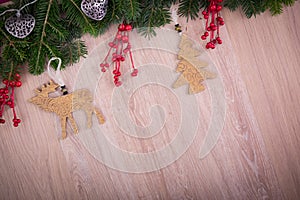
55	75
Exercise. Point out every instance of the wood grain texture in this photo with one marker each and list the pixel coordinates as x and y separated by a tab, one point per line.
256	157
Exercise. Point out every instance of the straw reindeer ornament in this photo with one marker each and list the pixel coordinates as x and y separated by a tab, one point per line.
65	105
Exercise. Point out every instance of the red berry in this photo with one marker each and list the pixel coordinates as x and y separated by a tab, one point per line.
213	46
219	1
206	33
12	83
5	81
17	76
219	8
1	90
213	8
118	83
9	103
119	36
135	72
125	39
111	44
204	12
16	124
221	23
6	91
208	28
128	27
121	27
206	16
19	120
203	37
219	19
103	69
2	121
220	41
18	84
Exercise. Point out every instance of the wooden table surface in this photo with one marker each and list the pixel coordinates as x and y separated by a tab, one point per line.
256	156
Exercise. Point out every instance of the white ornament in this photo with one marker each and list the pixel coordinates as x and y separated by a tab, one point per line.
20	26
94	9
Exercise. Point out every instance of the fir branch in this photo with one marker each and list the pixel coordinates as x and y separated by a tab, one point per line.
37	64
75	14
189	9
232	4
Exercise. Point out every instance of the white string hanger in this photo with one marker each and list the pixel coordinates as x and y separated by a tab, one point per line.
174	15
56	75
18	10
20	26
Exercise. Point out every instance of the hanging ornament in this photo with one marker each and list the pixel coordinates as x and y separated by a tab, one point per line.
117	45
20	26
213	24
7	97
191	68
66	104
94	9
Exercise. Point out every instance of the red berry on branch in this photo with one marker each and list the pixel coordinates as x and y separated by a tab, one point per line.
206	33
16	124
203	37
5	81
17	76
18	84
12	83
213	8
9	103
128	27
119	37
121	27
125	39
221	23
2	121
220	41
204	12
135	72
219	8
206	16
111	44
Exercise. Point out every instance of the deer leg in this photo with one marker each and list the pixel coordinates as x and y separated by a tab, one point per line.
88	111
99	115
63	121
73	124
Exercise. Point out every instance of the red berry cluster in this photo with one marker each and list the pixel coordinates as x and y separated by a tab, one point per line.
118	56
7	97
216	21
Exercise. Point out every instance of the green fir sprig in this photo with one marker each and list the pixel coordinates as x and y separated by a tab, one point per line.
61	23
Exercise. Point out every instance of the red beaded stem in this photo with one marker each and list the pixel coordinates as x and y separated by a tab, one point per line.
213	10
118	56
9	100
